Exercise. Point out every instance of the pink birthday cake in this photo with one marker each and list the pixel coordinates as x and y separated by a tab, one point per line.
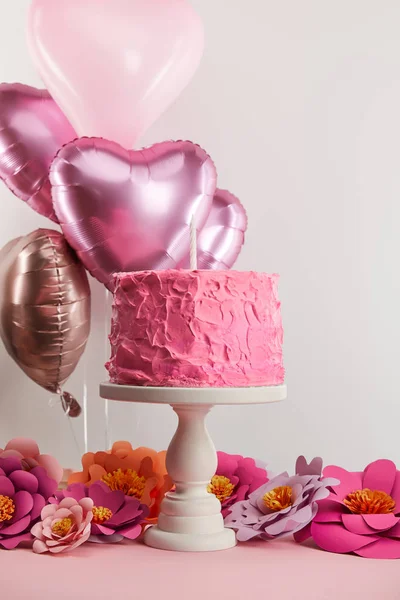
180	328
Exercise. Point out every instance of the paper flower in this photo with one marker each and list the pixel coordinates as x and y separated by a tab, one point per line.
63	527
115	515
362	514
235	479
282	506
23	494
28	452
140	473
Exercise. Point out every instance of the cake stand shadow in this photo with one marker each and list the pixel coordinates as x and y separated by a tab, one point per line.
190	519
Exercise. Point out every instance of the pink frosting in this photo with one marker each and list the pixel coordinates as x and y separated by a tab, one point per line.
196	329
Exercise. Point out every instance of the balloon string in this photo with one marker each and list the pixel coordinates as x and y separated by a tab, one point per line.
85	406
52	403
106	351
78	448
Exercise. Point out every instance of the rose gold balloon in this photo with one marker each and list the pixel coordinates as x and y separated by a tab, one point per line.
44	309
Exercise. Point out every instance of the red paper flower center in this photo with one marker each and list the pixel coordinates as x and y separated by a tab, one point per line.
7	508
127	481
278	498
101	514
221	487
62	527
369	502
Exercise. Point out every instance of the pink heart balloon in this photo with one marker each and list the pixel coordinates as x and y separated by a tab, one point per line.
125	210
114	66
32	130
222	237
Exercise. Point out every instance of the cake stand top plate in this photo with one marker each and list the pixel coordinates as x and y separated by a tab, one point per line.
177	395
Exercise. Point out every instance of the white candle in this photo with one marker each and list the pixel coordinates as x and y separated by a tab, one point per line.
193	244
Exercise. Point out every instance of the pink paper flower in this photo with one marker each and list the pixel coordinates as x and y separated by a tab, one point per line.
115	516
282	506
362	514
27	451
64	526
235	479
23	495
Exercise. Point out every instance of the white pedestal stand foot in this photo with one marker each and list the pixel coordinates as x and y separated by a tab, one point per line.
190	519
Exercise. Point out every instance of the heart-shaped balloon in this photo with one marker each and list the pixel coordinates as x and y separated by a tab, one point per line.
222	237
114	66
127	210
32	130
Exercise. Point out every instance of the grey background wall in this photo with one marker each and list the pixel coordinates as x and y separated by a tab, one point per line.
298	104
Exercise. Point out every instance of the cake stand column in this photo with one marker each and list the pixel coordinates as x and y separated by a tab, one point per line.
190	517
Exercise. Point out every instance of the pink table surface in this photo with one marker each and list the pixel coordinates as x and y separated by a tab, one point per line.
279	570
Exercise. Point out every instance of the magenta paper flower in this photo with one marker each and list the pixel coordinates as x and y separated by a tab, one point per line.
115	516
235	479
23	495
282	506
63	527
27	451
362	514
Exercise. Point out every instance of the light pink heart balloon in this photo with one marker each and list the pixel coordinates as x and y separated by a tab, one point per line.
222	237
114	66
131	210
32	130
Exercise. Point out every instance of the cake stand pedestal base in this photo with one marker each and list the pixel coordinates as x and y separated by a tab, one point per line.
190	519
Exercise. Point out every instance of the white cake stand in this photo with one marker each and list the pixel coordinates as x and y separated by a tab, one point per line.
190	519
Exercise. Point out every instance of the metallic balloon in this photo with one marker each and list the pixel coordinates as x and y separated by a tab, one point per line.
222	237
127	211
32	130
114	66
44	308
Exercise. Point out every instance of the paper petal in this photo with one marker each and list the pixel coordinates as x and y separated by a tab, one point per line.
37	531
303	468
356	524
75	491
329	510
23	480
381	522
348	481
395	493
39	547
6	487
52	467
383	548
303	534
107	499
335	538
25	446
17	527
48	511
131	533
394	532
23	504
38	505
106	539
380	475
13	542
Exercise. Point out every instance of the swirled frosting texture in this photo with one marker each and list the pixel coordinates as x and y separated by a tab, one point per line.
179	328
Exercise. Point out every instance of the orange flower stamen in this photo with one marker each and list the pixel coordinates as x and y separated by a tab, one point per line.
101	514
278	498
127	481
369	502
221	487
62	527
7	508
